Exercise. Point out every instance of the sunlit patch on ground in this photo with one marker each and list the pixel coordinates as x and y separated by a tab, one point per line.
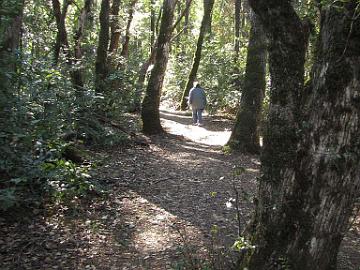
182	125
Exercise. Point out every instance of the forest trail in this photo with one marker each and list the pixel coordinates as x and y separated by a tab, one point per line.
176	205
170	205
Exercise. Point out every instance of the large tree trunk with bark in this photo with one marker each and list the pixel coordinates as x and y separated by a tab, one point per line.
245	136
150	106
304	226
205	25
286	64
101	70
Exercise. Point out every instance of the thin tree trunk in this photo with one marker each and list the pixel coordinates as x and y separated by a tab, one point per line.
61	36
237	22
244	136
78	38
125	49
141	80
101	70
115	27
187	16
152	24
145	66
205	23
150	107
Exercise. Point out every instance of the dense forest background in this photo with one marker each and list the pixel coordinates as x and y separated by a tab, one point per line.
69	68
73	74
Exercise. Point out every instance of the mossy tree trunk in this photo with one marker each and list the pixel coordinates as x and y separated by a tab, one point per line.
244	136
205	26
150	114
286	65
101	68
303	227
286	52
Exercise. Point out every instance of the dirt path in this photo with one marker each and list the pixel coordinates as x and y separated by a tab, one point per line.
170	205
179	202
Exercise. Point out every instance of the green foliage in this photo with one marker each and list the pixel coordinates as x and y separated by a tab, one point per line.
241	244
67	180
217	74
41	108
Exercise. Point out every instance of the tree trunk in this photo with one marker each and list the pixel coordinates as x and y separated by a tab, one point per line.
145	66
304	226
141	80
115	27
245	136
328	181
205	23
237	21
187	16
150	107
152	24
125	48
61	36
78	38
101	70
286	64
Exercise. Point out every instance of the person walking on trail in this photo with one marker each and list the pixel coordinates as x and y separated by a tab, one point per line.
197	101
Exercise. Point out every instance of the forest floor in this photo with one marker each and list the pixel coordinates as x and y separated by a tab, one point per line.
170	204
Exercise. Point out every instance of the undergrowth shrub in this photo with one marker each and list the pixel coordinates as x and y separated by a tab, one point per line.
40	118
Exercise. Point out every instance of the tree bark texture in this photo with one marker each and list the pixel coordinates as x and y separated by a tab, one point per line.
78	38
62	42
141	80
150	106
286	64
125	48
237	21
101	70
152	24
244	136
328	181
303	228
187	16
115	27
205	23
